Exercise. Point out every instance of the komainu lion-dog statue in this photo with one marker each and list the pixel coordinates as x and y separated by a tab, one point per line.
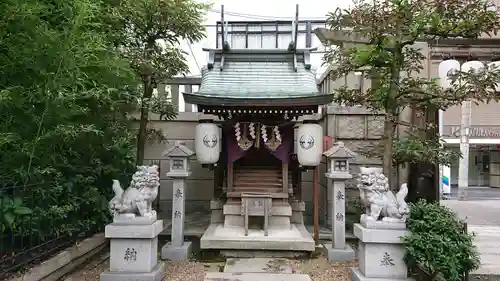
380	203
137	199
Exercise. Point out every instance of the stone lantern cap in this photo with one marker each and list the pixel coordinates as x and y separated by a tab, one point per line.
339	151
178	150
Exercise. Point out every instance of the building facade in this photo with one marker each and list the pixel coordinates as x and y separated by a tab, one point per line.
484	139
484	157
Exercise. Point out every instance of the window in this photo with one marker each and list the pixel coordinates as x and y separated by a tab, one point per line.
177	164
340	165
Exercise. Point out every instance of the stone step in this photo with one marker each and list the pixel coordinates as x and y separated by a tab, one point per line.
251	178
258	189
256	182
257	170
258	265
227	276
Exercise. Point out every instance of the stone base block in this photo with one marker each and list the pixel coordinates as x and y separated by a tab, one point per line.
133	247
381	253
176	253
128	219
278	222
134	231
157	274
390	224
346	254
358	276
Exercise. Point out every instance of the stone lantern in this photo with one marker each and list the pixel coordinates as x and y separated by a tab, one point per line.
338	161
338	171
179	156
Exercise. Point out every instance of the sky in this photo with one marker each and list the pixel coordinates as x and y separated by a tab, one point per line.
256	10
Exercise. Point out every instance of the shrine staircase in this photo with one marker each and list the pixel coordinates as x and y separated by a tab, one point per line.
266	179
237	230
258	180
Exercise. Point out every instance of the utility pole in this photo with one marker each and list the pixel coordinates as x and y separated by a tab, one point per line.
474	67
463	166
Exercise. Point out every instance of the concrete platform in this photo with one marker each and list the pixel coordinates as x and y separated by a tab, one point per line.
258	265
198	222
157	274
218	276
297	238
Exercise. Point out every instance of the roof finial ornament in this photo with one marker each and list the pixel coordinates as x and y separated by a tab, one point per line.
292	46
224	31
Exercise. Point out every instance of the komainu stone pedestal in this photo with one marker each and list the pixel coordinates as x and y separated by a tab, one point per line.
134	252
380	255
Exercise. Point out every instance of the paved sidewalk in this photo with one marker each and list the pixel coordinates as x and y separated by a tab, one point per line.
483	219
478	193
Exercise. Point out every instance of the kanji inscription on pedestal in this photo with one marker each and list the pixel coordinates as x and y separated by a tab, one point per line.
338	214
178	211
130	255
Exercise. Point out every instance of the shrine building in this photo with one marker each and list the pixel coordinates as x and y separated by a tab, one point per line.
256	148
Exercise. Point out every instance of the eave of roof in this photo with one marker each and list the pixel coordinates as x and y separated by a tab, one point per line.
313	100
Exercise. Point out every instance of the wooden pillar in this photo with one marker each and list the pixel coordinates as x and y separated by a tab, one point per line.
230	177
187	106
218	180
299	184
295	181
174	91
284	176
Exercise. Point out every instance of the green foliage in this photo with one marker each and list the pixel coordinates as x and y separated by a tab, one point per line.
354	210
12	209
385	32
438	242
151	36
65	127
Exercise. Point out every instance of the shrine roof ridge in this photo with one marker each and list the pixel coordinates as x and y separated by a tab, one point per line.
258	77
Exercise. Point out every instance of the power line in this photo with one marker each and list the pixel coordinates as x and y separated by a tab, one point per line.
261	17
192	54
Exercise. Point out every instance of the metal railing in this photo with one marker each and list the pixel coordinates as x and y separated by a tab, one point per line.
25	237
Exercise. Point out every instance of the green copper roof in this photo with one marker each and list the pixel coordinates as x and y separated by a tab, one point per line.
241	75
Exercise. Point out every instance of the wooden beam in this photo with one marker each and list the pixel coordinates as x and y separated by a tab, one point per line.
188	80
337	37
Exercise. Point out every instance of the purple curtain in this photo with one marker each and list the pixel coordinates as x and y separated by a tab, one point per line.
234	152
283	152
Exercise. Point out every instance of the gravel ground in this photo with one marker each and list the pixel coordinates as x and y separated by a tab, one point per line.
318	268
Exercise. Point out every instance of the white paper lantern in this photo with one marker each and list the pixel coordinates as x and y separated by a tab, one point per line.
473	66
207	143
309	144
446	71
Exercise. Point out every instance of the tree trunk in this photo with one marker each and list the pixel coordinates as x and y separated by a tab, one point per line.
423	182
143	123
392	114
389	128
